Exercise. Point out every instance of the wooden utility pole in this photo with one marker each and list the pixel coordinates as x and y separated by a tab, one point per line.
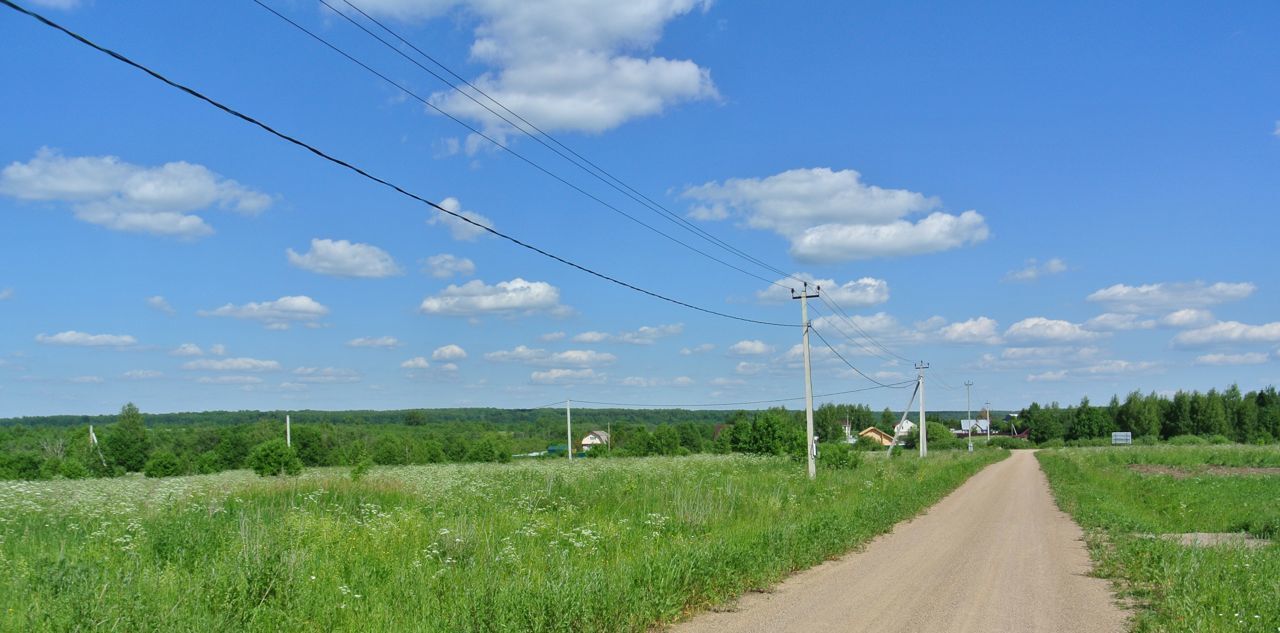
811	448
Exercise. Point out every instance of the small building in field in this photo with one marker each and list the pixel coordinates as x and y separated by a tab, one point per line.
595	438
872	434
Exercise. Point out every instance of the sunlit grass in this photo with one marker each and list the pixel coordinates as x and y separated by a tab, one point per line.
1227	587
597	545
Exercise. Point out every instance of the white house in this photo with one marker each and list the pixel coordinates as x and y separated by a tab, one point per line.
904	428
595	438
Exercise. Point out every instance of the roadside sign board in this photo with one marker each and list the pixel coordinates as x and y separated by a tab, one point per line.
1121	438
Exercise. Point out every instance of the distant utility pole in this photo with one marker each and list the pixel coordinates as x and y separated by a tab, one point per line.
988	408
93	439
812	448
568	428
968	410
288	437
924	431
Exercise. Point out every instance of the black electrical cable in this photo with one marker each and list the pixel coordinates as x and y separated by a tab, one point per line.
734	404
337	161
833	351
599	172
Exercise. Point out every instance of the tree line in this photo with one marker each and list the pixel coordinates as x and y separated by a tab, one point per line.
1251	418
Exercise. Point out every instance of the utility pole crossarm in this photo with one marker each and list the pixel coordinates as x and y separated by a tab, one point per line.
812	451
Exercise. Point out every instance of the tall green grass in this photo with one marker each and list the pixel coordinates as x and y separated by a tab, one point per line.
597	545
1226	587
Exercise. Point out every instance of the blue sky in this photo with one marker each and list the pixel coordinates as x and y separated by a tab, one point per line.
1049	201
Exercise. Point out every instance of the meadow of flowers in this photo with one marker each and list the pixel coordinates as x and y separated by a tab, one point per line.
593	545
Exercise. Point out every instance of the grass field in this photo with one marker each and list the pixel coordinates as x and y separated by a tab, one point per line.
1126	498
597	545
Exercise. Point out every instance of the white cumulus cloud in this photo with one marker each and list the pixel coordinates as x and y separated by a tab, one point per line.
276	314
1229	332
384	342
1034	270
567	65
1118	322
644	335
187	349
449	352
142	374
566	377
1163	297
832	216
231	364
81	339
6	294
1048	330
460	229
417	362
697	349
340	258
159	303
867	291
750	347
109	192
977	330
229	380
325	375
1247	358
444	266
572	358
1188	317
512	297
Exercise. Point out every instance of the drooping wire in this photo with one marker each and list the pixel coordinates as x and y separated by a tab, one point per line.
835	306
496	143
750	402
360	171
835	321
842	358
577	159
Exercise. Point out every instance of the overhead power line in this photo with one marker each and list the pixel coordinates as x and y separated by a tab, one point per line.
360	171
851	321
735	404
574	157
842	358
532	163
835	322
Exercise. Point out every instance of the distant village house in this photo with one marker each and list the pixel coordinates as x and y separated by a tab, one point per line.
595	438
872	434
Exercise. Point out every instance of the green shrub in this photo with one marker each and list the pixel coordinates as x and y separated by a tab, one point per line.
869	445
940	438
362	465
74	469
1187	440
838	455
1009	442
162	464
1053	443
208	462
1082	442
274	457
1219	439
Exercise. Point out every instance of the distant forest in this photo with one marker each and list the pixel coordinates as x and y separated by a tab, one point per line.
1251	418
205	442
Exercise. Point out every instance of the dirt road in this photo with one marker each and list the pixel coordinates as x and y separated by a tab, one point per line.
995	555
